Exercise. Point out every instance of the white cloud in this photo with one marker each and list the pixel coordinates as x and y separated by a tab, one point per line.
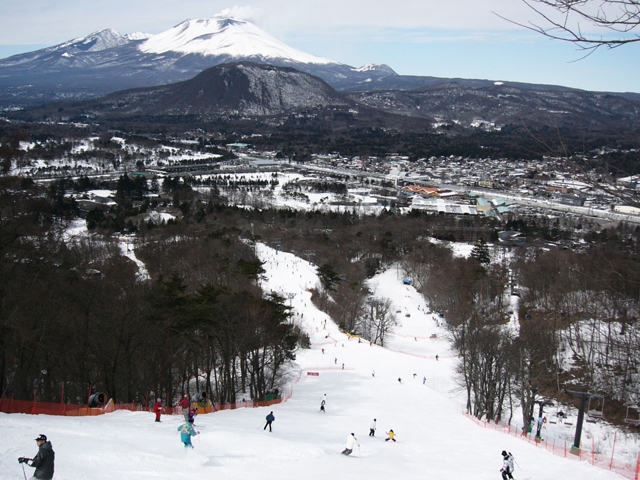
247	13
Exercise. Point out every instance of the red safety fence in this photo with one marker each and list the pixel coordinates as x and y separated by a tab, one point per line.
562	449
66	409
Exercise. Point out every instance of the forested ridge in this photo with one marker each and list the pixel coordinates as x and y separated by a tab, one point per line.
78	312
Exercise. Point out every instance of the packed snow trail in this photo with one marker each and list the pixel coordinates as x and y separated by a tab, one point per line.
433	439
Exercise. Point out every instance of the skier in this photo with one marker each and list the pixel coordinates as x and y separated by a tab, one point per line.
391	436
373	374
185	404
507	465
43	461
399	380
372	428
322	407
186	432
157	409
351	442
192	416
270	419
424	379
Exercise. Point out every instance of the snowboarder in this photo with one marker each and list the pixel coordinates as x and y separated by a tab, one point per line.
391	436
507	465
270	419
157	409
43	461
186	432
351	442
372	428
322	407
185	404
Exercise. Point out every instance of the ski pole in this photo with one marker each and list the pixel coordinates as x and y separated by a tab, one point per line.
359	454
517	464
23	472
261	425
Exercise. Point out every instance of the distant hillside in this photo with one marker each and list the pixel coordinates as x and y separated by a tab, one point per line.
230	92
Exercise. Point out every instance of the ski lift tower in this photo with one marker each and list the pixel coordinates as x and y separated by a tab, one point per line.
584	398
542	403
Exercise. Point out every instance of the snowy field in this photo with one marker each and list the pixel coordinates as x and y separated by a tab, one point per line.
435	440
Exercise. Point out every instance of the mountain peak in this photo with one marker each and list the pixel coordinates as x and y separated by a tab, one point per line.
94	42
380	68
226	36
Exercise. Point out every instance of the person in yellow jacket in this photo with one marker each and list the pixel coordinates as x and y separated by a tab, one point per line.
391	436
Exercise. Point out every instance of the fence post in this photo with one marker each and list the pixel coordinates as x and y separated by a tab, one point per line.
615	434
33	408
88	398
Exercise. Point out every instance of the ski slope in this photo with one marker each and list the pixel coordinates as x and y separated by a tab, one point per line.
434	439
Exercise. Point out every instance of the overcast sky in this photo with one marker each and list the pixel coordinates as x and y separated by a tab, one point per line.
441	38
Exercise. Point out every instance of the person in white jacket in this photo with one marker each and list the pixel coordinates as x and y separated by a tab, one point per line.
507	465
372	428
351	442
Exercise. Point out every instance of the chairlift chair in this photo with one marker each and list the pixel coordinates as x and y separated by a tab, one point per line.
597	412
633	421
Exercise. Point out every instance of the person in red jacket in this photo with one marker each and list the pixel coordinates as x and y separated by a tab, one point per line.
157	409
185	404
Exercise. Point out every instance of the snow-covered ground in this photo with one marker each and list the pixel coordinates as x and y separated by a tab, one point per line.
434	439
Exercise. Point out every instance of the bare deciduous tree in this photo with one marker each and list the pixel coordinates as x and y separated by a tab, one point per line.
579	21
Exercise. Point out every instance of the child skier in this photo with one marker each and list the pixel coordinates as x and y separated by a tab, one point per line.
391	436
157	409
192	416
186	432
322	407
351	442
507	465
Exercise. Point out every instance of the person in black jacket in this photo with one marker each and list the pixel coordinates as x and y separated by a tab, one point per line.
43	461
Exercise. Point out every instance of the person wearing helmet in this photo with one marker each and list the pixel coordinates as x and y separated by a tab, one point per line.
391	436
507	465
43	461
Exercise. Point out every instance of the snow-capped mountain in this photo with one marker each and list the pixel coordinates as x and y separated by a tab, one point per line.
221	36
107	61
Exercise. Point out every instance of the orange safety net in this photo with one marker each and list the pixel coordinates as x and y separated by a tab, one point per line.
45	408
561	449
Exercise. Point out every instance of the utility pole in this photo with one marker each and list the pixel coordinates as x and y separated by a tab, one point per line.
584	397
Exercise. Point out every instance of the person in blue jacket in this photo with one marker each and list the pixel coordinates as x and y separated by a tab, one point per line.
270	418
186	432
